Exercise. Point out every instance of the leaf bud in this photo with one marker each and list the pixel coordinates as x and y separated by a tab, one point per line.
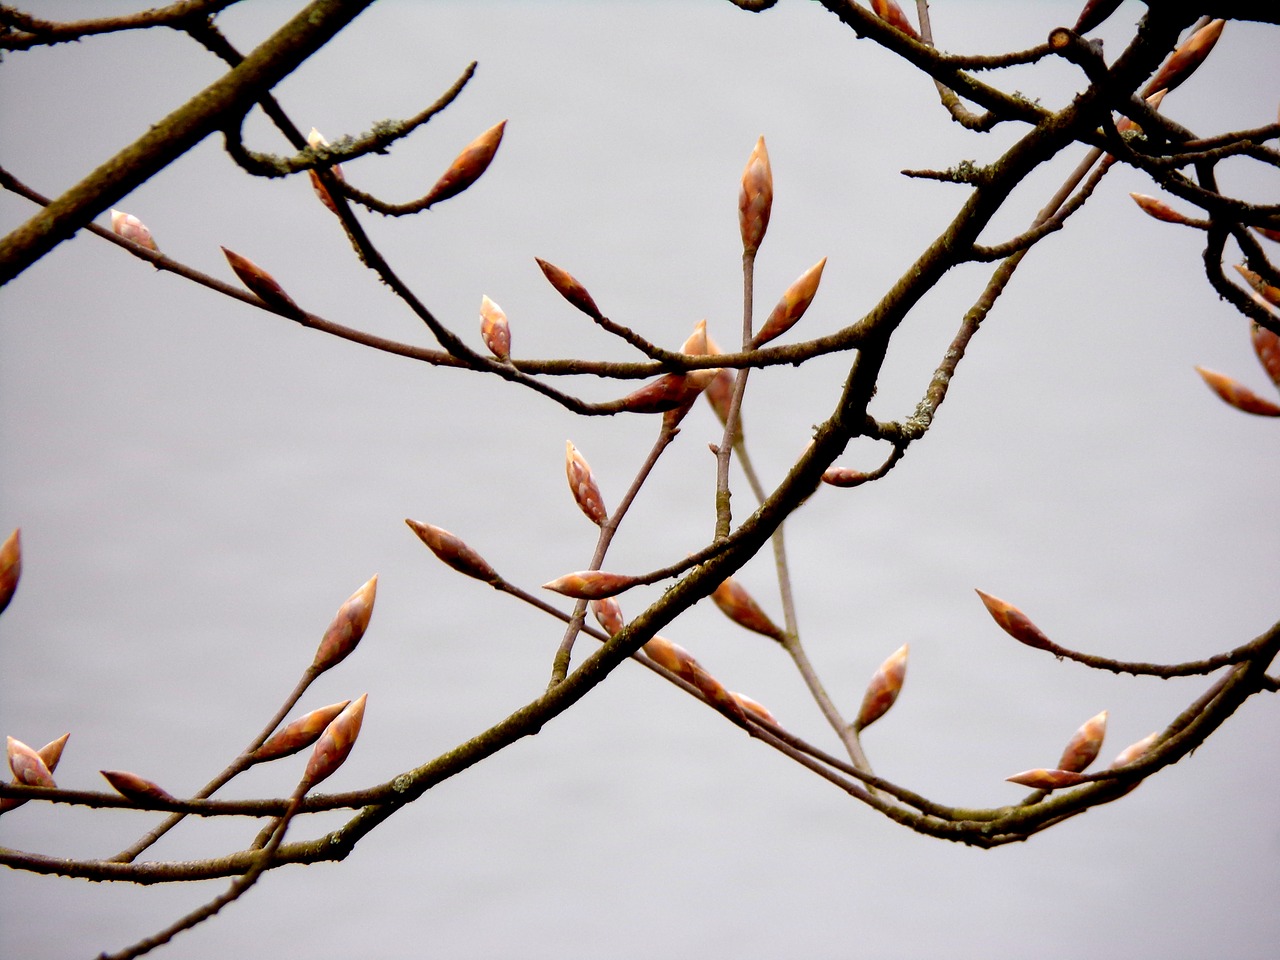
262	285
136	788
739	606
591	584
1082	749
1267	346
1186	58
454	552
1135	751
299	734
608	613
570	289
883	689
1154	207
753	707
755	199
10	567
1016	623
468	166
128	227
585	490
1237	394
494	329
347	627
28	766
1041	779
795	301
892	14
335	743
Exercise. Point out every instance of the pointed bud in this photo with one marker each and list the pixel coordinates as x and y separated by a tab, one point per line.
297	735
883	689
608	614
1094	12
699	345
844	477
1042	779
28	766
795	301
1237	394
495	329
468	166
1015	623
892	14
1157	208
454	552
1124	124
1082	749
670	656
128	227
739	606
715	692
348	626
591	584
316	140
583	485
1135	751
51	752
1273	235
1189	55
10	567
1267	346
570	289
671	391
262	284
334	745
1268	292
753	707
755	199
136	788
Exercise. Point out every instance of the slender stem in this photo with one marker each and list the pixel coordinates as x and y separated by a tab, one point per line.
732	423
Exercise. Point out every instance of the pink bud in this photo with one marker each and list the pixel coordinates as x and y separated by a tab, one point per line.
591	584
334	745
892	14
262	284
753	707
795	301
739	606
300	733
468	166
495	329
1082	749
28	766
454	552
844	477
1042	779
1237	394
755	199
570	289
1015	623
609	614
316	140
1157	208
10	567
586	493
136	788
347	627
1135	751
1267	346
129	227
883	689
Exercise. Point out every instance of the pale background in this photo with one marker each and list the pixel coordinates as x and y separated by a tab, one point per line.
200	485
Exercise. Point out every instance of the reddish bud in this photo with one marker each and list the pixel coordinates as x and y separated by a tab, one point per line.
1273	235
1015	623
1124	124
453	551
719	392
892	14
608	613
844	477
262	284
1186	58
795	301
1268	292
335	743
10	567
494	329
739	606
591	584
348	626
1041	779
316	140
570	289
883	689
468	166
1154	207
699	344
669	392
128	227
1135	751
1094	12
300	733
1082	749
1267	346
583	485
715	692
753	707
136	788
755	199
1237	394
51	752
670	656
28	766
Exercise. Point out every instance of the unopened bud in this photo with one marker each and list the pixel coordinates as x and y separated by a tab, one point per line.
28	766
1015	623
494	329
1042	779
883	689
128	227
892	14
348	626
453	551
1237	394
591	584
1186	58
1135	751
468	166
1268	292
262	284
335	743
136	788
1154	207
1082	749
753	707
1094	12
582	484
1267	346
795	301
844	477
608	614
755	199
10	567
739	606
316	140
570	289
299	734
